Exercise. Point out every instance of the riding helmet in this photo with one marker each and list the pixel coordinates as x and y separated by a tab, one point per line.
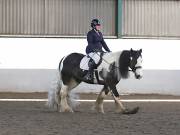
94	23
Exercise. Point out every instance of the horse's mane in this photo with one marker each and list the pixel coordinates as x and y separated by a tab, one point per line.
124	61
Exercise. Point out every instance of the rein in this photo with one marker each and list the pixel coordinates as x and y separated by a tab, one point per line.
107	61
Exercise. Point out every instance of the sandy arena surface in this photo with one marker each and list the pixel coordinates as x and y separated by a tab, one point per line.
34	118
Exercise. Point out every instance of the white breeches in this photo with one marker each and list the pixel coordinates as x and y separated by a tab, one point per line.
95	56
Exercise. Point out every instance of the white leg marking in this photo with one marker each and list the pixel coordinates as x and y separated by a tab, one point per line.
71	101
64	104
99	102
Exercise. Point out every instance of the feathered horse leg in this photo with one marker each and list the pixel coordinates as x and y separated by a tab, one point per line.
64	107
66	102
99	101
54	93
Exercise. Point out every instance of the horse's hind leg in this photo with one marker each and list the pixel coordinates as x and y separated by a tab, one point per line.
99	101
64	107
64	95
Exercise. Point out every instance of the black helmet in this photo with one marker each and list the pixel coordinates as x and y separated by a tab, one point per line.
94	23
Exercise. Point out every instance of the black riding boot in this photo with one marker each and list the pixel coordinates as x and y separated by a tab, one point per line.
89	76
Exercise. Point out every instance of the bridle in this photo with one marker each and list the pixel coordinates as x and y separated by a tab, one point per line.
134	68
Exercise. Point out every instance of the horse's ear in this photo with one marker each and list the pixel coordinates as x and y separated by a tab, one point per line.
131	50
140	50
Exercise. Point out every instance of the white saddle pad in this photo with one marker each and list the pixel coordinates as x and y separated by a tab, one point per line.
84	63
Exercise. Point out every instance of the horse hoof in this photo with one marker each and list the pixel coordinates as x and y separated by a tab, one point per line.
97	109
133	111
66	110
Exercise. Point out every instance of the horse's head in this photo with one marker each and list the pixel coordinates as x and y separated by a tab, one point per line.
136	63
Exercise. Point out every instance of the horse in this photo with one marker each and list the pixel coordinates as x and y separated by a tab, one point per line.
114	66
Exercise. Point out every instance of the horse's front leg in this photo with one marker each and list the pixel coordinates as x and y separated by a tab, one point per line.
99	101
118	104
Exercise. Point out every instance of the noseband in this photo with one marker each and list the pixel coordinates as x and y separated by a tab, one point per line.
135	68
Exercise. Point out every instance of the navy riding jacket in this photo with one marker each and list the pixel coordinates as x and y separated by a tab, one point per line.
96	42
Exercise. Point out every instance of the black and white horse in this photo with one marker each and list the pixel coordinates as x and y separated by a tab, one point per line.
114	67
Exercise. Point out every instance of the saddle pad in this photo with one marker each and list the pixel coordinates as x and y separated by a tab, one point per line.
84	63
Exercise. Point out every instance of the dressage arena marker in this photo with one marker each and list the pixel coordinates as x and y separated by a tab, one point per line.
123	100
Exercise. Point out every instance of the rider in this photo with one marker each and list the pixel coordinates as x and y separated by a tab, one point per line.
94	48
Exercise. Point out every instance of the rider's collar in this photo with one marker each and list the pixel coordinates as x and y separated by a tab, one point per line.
97	31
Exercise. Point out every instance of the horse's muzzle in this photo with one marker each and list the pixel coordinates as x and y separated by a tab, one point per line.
138	76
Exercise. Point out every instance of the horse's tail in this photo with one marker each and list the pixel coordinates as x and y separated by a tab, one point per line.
54	92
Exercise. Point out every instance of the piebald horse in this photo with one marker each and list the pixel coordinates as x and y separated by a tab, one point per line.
114	67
